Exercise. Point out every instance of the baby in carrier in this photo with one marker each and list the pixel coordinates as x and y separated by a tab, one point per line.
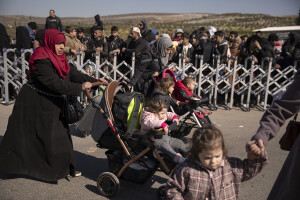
155	115
183	92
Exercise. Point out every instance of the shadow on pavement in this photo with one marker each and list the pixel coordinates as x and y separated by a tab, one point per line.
4	176
89	165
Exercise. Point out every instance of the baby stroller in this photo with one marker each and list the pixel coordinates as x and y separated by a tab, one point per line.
187	116
131	156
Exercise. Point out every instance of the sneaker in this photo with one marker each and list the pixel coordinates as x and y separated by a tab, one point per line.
74	173
177	157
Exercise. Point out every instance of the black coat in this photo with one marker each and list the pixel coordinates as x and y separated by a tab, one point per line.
94	43
142	79
138	46
53	23
22	38
222	50
148	36
37	142
190	54
157	94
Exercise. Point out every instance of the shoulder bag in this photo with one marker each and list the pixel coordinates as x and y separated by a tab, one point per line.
289	137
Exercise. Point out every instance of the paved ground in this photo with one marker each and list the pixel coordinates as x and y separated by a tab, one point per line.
236	125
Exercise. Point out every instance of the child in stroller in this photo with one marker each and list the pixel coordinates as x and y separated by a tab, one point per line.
133	156
154	115
185	109
183	92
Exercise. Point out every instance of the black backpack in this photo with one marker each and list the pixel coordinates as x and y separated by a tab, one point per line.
127	108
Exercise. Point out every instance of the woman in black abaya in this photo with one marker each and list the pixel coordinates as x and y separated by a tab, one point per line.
37	142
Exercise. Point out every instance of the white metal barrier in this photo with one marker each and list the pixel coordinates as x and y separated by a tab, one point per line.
220	79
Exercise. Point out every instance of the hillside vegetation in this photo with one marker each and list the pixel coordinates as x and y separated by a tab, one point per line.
242	23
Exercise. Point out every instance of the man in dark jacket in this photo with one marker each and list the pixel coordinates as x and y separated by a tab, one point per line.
185	48
253	47
232	36
135	43
97	43
32	29
290	50
221	46
269	47
146	32
53	22
114	43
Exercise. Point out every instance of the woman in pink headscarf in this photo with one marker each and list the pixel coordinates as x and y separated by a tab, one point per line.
37	142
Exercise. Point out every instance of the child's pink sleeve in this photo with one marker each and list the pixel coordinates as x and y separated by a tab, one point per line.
151	121
171	116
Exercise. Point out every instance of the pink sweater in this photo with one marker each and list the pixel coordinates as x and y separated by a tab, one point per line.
150	120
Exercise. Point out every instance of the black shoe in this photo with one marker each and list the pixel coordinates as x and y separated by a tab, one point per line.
74	173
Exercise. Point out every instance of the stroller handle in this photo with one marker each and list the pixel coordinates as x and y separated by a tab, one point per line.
88	94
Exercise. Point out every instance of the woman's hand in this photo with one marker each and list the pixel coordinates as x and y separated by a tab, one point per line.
103	81
86	85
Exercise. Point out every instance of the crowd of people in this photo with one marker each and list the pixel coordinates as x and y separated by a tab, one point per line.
200	42
38	143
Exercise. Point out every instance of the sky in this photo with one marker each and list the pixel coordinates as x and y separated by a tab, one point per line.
88	8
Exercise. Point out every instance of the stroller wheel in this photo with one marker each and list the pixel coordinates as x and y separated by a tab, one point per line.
108	184
161	193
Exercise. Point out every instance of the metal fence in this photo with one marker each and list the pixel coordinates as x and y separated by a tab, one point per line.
226	80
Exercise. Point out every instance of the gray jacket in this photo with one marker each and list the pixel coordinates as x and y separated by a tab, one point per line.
288	180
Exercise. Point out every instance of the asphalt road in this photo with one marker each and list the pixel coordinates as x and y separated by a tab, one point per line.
236	125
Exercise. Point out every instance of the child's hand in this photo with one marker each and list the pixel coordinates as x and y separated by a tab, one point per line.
166	130
255	149
252	156
176	120
207	112
178	102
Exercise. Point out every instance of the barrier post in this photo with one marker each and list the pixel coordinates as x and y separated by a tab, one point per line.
268	83
200	73
233	82
23	75
6	93
81	58
133	64
115	66
183	66
180	60
78	58
216	83
97	64
250	82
